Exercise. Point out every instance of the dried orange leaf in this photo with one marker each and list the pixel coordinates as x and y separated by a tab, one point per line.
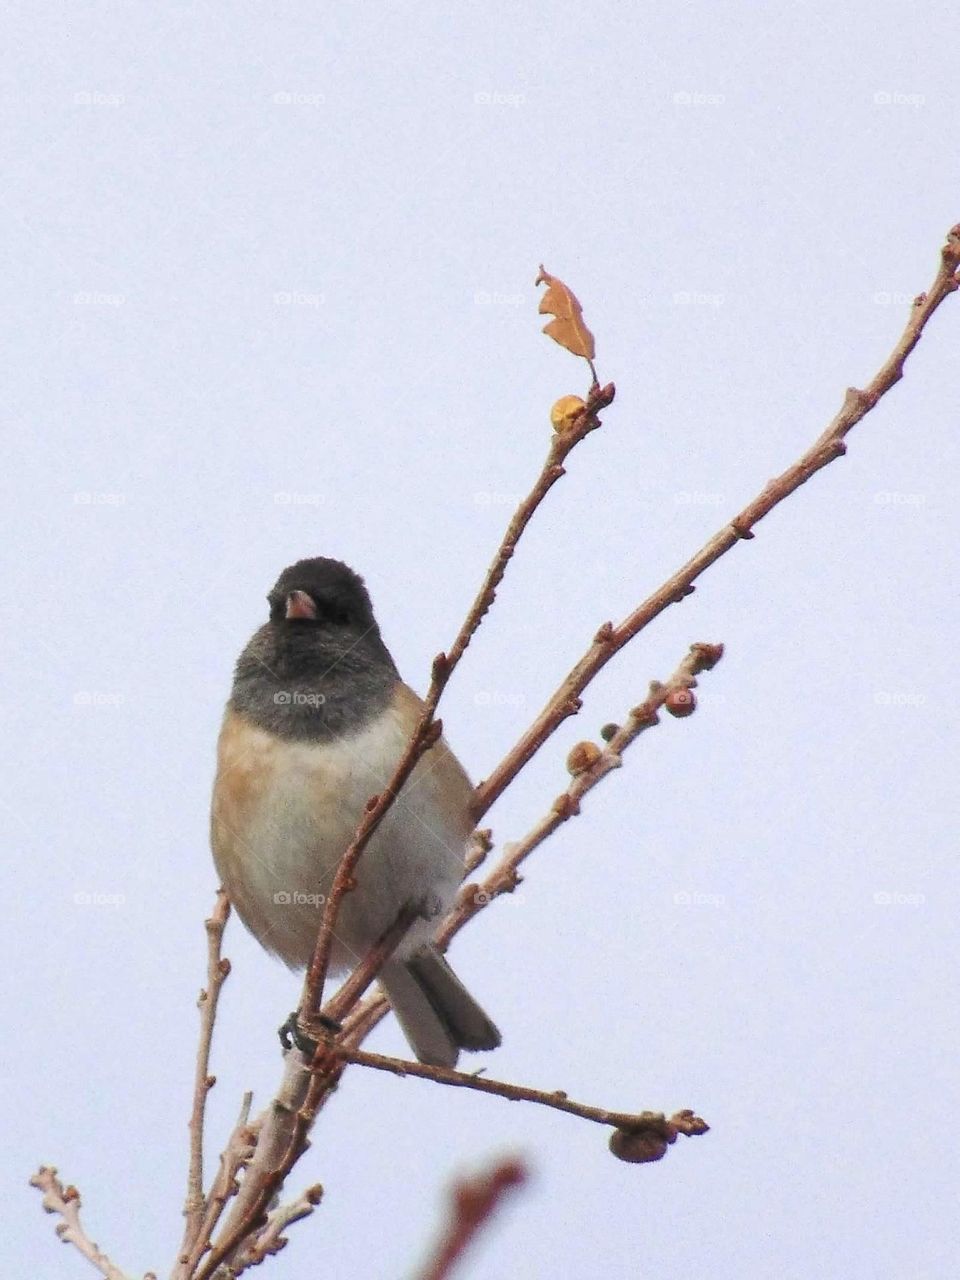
568	328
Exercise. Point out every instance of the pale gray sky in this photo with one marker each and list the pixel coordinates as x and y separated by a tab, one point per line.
268	293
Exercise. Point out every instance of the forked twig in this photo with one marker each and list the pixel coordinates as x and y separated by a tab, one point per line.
65	1201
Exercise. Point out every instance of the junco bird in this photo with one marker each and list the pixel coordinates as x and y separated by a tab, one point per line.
316	723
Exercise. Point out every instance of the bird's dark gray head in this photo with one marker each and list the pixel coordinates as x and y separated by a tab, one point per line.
321	592
318	668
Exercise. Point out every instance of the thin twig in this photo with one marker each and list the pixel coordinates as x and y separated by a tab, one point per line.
474	898
282	1133
235	1156
425	736
609	640
217	972
631	1122
560	447
503	878
368	969
285	1125
271	1239
66	1202
428	730
472	1202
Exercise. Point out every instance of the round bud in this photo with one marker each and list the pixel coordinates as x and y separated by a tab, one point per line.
681	702
565	412
582	757
637	1146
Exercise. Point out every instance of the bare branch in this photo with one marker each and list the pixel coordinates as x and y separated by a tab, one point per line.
282	1139
472	1202
271	1239
283	1128
428	730
474	898
217	971
236	1155
66	1202
560	446
609	640
653	1123
368	969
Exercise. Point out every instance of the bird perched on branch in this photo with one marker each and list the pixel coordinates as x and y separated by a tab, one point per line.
316	723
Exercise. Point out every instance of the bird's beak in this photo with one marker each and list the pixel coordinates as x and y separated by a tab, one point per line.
300	605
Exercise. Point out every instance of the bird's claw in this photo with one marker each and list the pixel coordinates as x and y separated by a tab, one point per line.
292	1034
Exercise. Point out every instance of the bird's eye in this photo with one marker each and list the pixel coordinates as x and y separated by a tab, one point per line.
334	613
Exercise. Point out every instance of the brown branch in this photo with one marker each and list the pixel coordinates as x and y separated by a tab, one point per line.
609	640
653	1123
425	735
336	1009
560	446
236	1155
271	1239
472	1203
428	730
283	1130
217	971
282	1139
474	898
66	1202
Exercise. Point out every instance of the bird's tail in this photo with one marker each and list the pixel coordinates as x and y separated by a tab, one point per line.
437	1013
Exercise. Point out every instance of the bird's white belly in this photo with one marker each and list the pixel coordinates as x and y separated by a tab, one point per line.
310	798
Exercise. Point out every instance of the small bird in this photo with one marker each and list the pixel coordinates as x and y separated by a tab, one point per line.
316	723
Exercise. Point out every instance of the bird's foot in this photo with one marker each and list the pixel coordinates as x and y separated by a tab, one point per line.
292	1034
